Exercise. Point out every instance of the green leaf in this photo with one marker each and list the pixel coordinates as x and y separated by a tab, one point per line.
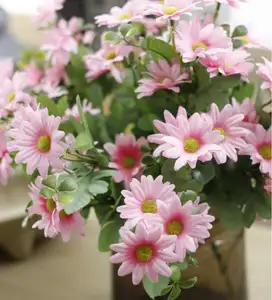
148	160
49	103
263	206
83	141
226	27
76	124
146	122
50	181
244	91
240	30
166	290
249	213
68	185
224	83
98	187
85	212
204	172
66	197
176	274
203	77
174	293
124	29
62	105
189	283
237	44
47	193
188	195
112	36
154	289
101	210
231	217
108	235
103	174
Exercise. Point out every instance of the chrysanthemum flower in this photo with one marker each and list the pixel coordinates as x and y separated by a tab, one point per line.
33	75
248	109
172	9
53	220
37	139
265	72
144	253
5	160
86	106
191	140
189	227
228	124
72	26
125	156
142	201
259	148
196	38
132	11
163	76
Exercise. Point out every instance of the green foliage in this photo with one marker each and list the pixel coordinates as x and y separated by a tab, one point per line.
174	293
154	289
83	141
112	36
188	283
240	30
69	184
56	108
146	122
246	90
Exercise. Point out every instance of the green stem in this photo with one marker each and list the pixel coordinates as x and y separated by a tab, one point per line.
216	13
172	33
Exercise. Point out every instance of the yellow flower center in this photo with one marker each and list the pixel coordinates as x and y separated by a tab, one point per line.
50	205
228	66
11	97
170	10
265	151
144	253
44	143
110	55
129	162
220	130
200	45
149	206
174	227
63	215
191	145
124	16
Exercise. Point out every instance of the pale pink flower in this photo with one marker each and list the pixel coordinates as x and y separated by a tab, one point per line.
132	11
144	253
59	45
88	37
142	201
191	140
33	75
268	185
55	74
72	26
6	68
189	228
203	209
46	12
248	42
248	109
265	72
171	9
162	76
37	139
196	38
52	91
5	160
228	123
259	148
53	220
87	108
125	156
212	63
12	93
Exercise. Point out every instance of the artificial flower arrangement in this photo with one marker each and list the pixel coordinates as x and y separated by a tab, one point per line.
166	130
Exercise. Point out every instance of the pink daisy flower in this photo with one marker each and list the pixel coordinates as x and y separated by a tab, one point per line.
228	124
131	12
203	210
259	148
142	201
55	74
88	37
53	220
248	109
6	68
178	220
38	142
212	63
33	75
5	160
268	185
125	156
191	140
163	76
12	93
248	42
196	38
171	9
144	253
265	72
86	106
52	90
72	26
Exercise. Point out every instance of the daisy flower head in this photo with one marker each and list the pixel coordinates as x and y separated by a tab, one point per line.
142	201
171	9
125	156
196	38
162	76
5	159
146	252
34	75
87	108
191	140
228	124
37	140
53	220
265	72
189	228
259	148
132	11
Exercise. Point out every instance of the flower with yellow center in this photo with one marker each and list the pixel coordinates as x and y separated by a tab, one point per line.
174	227
50	205
144	253
191	145
220	130
110	55
44	144
200	45
11	97
149	206
170	10
265	151
129	162
125	16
